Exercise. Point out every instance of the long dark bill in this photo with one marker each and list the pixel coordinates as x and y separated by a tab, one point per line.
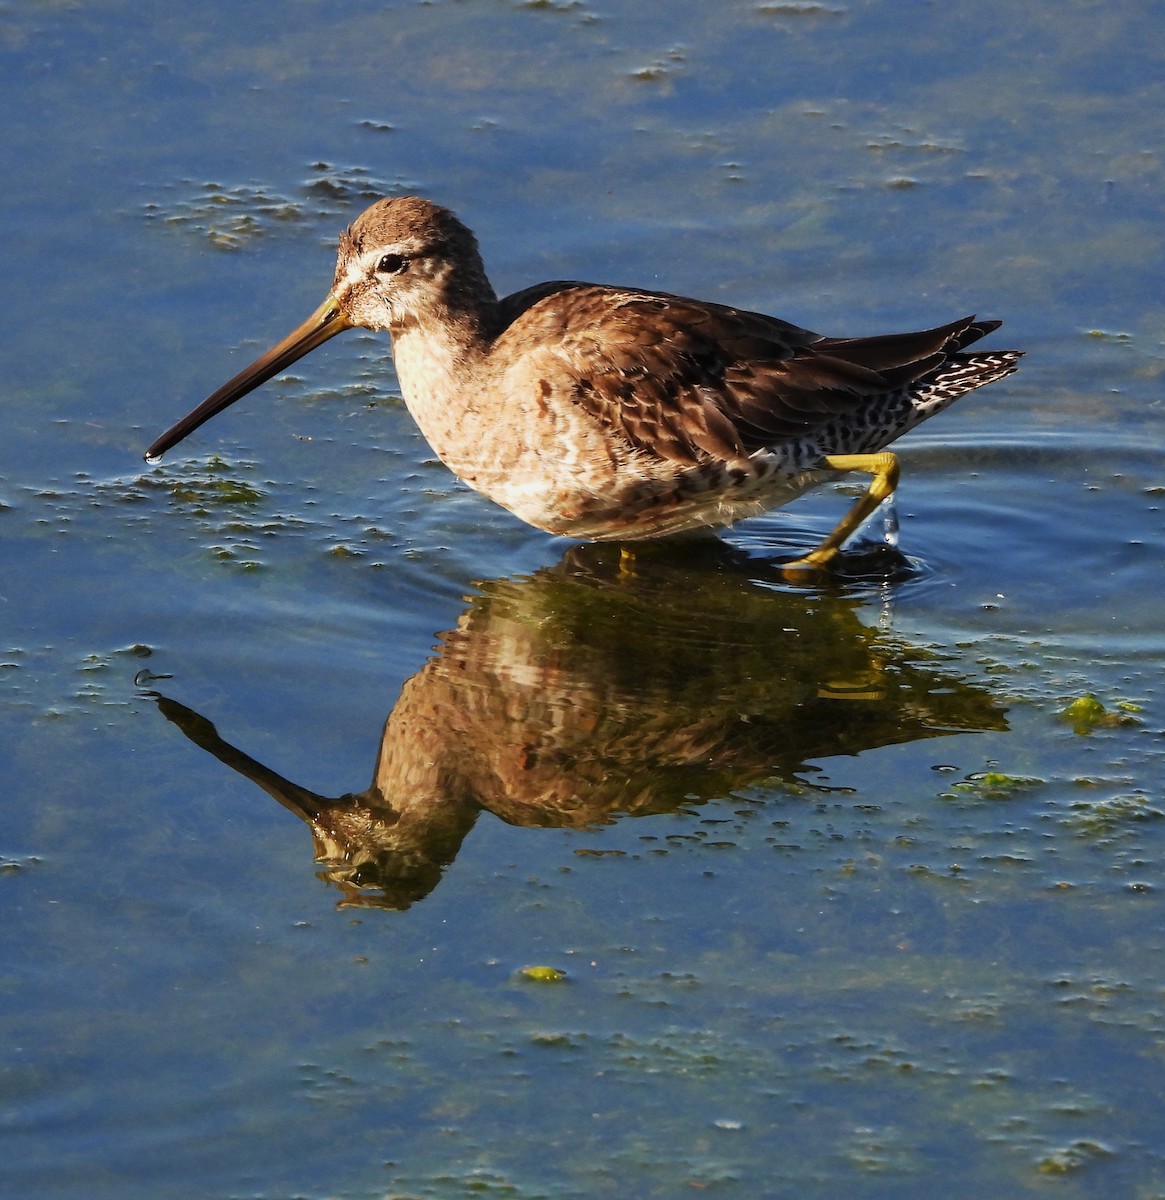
324	323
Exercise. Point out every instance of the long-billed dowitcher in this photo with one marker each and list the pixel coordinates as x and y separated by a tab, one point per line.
611	413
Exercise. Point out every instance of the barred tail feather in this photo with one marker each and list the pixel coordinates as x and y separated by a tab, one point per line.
962	373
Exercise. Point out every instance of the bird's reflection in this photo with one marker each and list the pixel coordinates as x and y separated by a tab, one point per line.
607	686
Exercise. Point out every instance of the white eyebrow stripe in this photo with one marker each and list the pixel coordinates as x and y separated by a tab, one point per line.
364	266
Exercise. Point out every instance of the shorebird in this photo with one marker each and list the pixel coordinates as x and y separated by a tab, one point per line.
615	414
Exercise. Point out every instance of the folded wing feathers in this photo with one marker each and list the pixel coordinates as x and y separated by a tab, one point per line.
682	380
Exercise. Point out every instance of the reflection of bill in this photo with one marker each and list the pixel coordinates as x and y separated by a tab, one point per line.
606	686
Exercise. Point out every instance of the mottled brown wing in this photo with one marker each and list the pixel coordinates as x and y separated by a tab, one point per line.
682	379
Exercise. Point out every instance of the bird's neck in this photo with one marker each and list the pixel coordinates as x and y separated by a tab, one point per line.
445	339
438	354
441	350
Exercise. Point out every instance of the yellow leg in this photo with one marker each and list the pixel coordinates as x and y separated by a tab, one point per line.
883	466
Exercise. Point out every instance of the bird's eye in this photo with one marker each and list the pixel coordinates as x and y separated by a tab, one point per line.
392	264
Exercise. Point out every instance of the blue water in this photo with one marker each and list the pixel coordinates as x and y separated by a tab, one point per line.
308	750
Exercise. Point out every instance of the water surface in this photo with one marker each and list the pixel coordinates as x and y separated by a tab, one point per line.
310	751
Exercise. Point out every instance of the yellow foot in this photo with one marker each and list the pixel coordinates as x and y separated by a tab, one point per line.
883	467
